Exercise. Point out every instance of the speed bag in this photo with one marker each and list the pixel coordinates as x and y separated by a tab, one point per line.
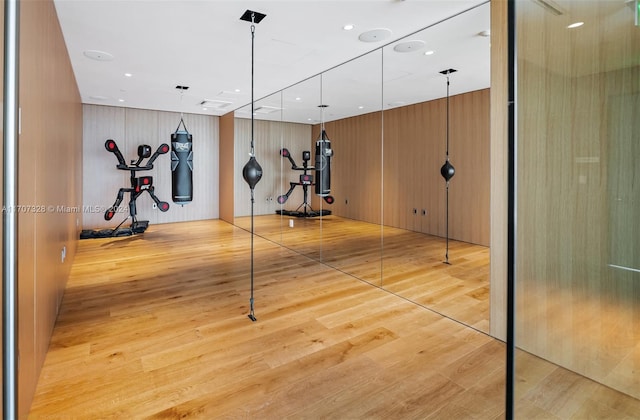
181	167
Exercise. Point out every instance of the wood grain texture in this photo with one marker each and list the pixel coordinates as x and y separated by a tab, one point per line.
172	340
356	167
577	193
130	128
414	151
226	161
49	181
270	137
499	147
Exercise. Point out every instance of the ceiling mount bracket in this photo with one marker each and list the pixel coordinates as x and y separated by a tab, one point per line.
253	17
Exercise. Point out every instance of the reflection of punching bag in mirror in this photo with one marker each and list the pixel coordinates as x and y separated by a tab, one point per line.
323	165
181	165
447	170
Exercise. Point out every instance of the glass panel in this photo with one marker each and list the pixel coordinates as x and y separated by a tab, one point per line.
435	248
351	234
267	134
578	236
300	231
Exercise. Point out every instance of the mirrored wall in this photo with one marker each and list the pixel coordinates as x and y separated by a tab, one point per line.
390	117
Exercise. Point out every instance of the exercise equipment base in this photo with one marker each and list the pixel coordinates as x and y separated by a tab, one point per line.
136	228
311	213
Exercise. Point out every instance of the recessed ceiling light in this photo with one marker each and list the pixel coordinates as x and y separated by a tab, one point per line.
485	33
120	100
98	97
575	25
236	90
375	35
98	55
298	98
128	75
430	52
360	107
348	27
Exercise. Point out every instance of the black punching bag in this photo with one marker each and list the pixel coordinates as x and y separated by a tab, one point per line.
181	166
323	165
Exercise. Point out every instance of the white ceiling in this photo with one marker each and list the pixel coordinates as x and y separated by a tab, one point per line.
204	45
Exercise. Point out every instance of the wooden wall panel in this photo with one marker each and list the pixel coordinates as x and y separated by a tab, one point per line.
469	151
270	137
577	134
414	151
356	166
50	170
430	151
226	162
2	178
499	167
130	128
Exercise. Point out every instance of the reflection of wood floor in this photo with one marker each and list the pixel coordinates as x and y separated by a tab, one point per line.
407	263
156	326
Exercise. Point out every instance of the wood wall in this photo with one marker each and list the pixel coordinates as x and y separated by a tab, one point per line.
269	138
578	136
227	182
499	106
50	179
356	166
414	151
407	173
130	128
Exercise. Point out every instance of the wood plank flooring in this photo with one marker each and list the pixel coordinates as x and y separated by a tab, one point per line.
155	326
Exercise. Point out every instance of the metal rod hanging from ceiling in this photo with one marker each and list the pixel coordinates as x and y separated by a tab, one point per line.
9	219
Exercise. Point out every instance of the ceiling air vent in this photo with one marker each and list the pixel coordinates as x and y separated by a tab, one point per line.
549	6
213	104
266	109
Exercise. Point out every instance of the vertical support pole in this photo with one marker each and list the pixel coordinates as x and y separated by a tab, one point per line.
9	216
510	382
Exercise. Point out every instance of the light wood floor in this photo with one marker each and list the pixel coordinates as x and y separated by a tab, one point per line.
409	264
156	326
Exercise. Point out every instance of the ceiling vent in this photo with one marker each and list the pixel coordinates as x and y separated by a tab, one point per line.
266	109
213	104
549	6
228	94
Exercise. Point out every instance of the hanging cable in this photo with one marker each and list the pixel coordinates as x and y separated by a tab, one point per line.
447	151
252	172
253	36
447	170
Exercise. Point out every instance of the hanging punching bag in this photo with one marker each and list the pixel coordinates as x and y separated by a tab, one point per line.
252	172
323	165
181	166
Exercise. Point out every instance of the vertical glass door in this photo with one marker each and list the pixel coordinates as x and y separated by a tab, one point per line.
578	209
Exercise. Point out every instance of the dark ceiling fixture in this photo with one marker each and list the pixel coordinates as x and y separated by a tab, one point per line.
447	170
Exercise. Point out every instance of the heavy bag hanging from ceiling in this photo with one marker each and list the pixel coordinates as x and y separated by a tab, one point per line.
323	165
181	165
323	161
